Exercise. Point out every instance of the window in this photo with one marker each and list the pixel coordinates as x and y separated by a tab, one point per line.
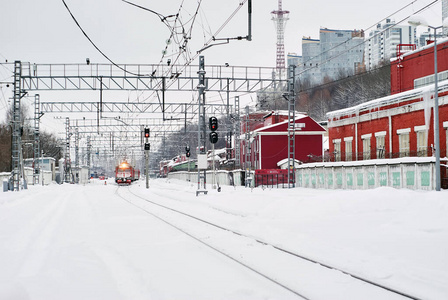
403	142
366	146
366	149
337	149
422	148
380	146
348	148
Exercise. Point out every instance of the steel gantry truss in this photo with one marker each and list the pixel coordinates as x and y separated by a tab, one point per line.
143	77
129	107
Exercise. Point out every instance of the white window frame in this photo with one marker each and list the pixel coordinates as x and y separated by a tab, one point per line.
366	140
337	149
348	148
402	133
421	136
380	149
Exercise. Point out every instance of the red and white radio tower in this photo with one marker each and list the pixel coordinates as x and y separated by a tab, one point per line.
280	17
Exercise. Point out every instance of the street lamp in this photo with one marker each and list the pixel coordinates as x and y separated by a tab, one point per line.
416	20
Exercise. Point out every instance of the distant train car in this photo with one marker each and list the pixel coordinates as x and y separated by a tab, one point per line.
125	173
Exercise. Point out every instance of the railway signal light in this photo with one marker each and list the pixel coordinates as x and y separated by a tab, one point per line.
213	123
147	146
187	151
213	137
146	132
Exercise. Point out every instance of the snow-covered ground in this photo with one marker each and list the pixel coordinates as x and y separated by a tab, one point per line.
102	242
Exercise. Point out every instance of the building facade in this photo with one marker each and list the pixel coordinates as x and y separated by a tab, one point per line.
416	69
383	41
399	125
342	52
335	53
309	68
264	143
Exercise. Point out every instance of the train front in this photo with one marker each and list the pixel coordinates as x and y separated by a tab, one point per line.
123	173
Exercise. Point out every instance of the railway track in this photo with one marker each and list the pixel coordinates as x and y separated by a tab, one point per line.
279	249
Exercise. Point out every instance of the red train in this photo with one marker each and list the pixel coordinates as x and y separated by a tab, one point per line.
125	173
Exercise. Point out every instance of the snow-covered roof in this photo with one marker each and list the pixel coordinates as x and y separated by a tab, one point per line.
376	103
298	117
285	160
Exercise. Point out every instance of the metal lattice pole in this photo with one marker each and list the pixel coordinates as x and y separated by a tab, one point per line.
36	144
67	163
77	153
291	127
247	158
201	125
237	132
89	152
280	17
16	130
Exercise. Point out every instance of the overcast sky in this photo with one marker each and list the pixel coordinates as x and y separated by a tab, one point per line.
42	31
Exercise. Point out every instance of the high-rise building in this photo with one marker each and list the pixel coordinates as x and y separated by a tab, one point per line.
383	41
336	52
342	52
309	67
294	59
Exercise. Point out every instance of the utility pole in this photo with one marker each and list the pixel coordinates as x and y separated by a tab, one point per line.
67	163
237	132
202	156
16	128
89	152
247	159
36	144
77	154
291	126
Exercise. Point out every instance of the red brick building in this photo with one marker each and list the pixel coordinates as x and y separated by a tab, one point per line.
401	124
415	69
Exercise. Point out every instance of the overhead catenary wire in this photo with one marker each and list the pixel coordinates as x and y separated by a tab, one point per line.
174	34
347	50
96	47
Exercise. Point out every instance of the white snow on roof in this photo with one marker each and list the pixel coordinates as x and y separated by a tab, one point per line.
373	162
298	117
407	95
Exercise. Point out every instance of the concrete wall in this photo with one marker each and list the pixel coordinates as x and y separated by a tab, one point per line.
412	173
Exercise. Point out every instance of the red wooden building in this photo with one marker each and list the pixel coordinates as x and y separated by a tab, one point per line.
401	124
268	139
